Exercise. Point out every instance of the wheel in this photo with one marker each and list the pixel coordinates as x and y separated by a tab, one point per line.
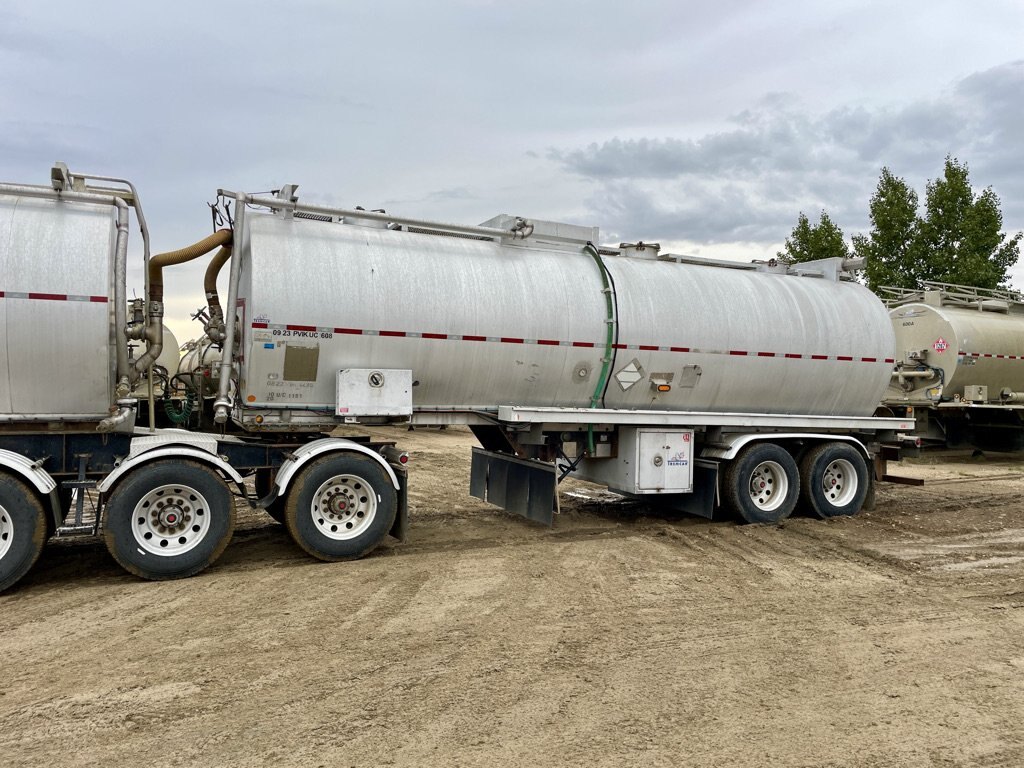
22	530
762	484
168	520
341	507
834	479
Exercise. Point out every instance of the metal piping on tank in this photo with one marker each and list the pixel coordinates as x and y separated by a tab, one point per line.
123	386
153	329
222	405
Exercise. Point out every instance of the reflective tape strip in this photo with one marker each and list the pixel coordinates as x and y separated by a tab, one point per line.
36	296
561	343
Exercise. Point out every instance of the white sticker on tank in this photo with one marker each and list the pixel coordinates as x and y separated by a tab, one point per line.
629	375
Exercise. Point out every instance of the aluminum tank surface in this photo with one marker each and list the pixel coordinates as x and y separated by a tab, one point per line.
970	346
56	347
484	323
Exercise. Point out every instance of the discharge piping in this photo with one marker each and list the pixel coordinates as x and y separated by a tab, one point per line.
120	300
222	405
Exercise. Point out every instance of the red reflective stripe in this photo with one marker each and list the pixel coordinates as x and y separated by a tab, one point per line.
349	331
819	357
392	333
738	352
890	360
259	325
844	358
49	296
435	335
680	349
583	344
766	354
1	294
511	340
648	348
548	342
618	346
793	356
869	359
98	299
474	338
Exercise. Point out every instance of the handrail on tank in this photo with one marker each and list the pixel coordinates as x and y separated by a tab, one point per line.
320	210
950	293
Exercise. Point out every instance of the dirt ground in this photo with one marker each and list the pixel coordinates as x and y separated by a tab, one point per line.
615	638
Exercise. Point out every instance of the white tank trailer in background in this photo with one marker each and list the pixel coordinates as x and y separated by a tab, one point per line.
693	383
960	365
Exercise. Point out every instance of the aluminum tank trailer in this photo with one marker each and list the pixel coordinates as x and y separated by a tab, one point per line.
703	384
960	364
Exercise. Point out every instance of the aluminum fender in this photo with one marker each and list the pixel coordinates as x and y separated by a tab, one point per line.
26	468
311	450
727	448
171	451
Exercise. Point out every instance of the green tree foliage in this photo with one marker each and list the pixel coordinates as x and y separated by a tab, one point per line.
814	241
956	239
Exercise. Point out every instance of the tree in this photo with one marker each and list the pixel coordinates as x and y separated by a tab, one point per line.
957	240
814	241
888	249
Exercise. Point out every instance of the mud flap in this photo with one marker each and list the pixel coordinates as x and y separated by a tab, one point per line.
528	488
400	527
702	500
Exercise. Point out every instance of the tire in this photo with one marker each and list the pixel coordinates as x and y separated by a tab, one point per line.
168	520
762	484
23	530
834	480
341	507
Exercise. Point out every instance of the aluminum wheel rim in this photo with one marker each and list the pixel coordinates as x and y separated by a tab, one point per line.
171	520
6	532
769	486
839	482
343	507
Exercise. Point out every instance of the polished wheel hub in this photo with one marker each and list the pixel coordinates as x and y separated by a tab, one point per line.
171	520
343	507
6	532
768	485
839	482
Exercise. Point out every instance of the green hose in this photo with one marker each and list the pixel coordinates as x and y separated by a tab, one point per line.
180	416
602	380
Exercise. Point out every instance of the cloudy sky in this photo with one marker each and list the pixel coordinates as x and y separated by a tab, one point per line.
707	126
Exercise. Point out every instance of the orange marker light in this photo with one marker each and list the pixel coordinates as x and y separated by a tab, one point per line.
664	388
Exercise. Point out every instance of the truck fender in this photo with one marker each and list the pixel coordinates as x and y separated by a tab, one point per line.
29	470
311	450
169	451
727	448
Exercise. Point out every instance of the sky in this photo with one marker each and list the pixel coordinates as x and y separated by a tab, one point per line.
705	126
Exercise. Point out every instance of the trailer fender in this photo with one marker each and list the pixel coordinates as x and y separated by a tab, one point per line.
728	447
29	470
174	452
306	453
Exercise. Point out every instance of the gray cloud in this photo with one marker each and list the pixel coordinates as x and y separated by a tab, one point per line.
747	183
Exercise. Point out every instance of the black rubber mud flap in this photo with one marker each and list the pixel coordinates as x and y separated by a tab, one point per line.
523	486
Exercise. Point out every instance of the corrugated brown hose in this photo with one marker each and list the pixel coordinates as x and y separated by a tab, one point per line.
161	260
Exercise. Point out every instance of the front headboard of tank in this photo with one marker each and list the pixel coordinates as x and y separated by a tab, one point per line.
57	336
